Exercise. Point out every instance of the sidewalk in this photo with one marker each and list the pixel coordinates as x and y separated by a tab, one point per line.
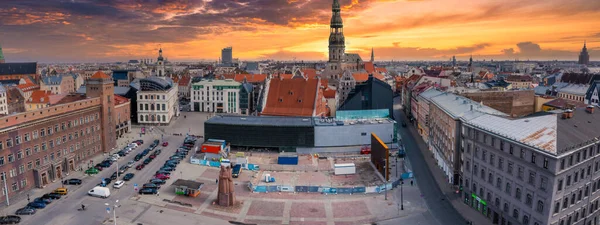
20	200
447	189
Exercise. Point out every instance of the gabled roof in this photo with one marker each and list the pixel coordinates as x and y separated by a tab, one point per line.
52	80
18	68
250	78
120	99
184	80
100	75
369	67
310	73
39	96
561	103
363	77
292	97
381	69
329	93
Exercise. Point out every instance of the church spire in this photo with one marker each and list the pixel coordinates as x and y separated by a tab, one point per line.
372	55
1	55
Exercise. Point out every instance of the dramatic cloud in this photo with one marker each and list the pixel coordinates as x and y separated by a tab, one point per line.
111	30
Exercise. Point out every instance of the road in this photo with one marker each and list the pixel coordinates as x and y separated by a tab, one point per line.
441	209
64	211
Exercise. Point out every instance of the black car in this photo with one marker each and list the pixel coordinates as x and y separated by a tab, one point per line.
157	152
170	164
176	162
148	191
52	196
151	185
163	172
167	168
128	176
10	219
106	180
148	160
138	157
114	176
157	181
26	211
73	181
121	153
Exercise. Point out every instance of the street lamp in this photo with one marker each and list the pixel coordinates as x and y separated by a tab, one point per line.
114	209
401	194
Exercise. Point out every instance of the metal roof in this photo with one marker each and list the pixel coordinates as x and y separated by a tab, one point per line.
262	121
18	68
456	105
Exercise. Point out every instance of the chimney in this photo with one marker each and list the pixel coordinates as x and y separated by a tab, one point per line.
567	114
589	109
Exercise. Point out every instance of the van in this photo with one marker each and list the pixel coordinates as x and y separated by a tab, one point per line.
61	191
100	192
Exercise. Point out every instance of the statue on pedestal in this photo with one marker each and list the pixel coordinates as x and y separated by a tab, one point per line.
226	196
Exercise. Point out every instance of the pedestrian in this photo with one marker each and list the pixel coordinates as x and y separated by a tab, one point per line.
411	182
157	193
216	181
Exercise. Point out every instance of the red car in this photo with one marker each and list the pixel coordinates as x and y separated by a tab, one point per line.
165	144
162	176
152	156
139	167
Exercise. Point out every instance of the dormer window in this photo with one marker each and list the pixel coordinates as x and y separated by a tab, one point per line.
280	99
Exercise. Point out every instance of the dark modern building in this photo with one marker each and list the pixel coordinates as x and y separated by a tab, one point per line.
373	94
246	98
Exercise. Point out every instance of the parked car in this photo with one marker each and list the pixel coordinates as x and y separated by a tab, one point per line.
175	157
138	157
145	152
168	168
25	211
10	219
37	205
52	196
92	171
237	169
170	164
114	176
176	161
147	160
133	145
152	156
73	181
123	169
157	152
148	191
151	185
118	184
46	201
128	176
100	192
162	176
157	181
61	191
163	172
165	144
106	180
139	142
99	167
130	163
140	167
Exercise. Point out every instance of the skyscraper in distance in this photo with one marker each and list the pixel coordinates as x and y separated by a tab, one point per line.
584	56
227	55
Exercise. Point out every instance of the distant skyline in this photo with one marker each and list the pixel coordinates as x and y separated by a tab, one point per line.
119	30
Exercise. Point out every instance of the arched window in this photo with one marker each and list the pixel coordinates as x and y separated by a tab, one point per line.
506	207
157	106
146	118
164	118
151	106
474	187
540	206
518	194
141	118
497	202
152	118
508	187
158	118
490	178
528	199
489	196
481	192
483	174
525	220
516	213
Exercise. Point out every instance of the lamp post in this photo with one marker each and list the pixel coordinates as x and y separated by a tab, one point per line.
401	194
114	209
5	188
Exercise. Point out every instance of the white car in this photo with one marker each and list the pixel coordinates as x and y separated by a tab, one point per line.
133	145
130	163
118	184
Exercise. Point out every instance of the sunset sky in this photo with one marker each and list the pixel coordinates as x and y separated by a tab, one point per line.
117	30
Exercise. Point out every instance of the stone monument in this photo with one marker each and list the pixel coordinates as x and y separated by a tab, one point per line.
226	195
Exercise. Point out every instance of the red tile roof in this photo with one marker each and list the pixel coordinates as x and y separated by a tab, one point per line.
369	67
363	77
562	103
120	100
295	97
329	93
381	70
28	87
100	75
519	78
39	96
250	78
185	80
310	73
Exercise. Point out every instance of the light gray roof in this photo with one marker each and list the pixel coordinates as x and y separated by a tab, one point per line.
456	105
541	90
261	121
430	93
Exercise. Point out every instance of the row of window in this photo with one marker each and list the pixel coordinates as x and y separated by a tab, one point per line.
49	131
43	147
576	177
578	157
531	179
151	107
152	118
153	96
501	145
15	187
578	214
516	212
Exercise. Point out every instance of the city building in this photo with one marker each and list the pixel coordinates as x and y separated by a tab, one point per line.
19	71
299	134
122	78
219	96
372	94
515	103
294	97
58	84
423	102
534	170
184	85
246	98
591	96
40	99
519	81
584	56
160	70
227	56
28	88
41	146
122	115
157	100
346	85
15	100
445	114
3	101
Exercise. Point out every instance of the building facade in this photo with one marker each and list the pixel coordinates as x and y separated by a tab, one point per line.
519	81
3	101
157	101
58	84
227	55
219	96
122	115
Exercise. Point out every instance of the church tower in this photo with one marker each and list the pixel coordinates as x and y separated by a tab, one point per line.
160	65
337	46
1	56
101	86
372	55
584	57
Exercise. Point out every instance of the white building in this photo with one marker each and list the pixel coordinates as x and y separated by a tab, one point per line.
157	100
3	102
220	96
